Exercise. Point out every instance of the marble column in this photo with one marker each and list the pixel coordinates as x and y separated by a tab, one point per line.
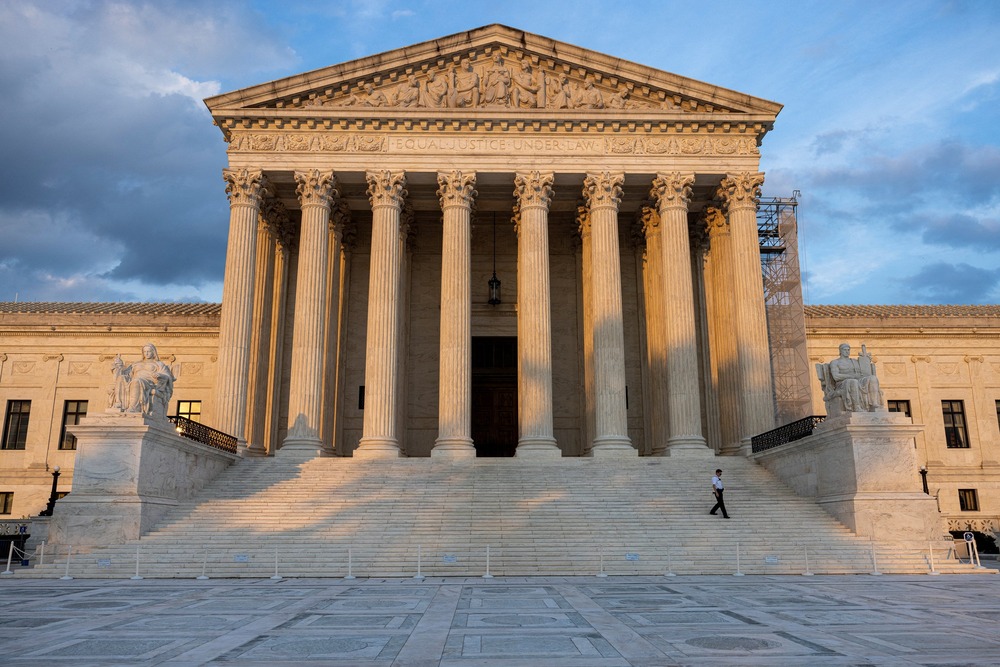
723	330
456	191
603	193
533	191
260	338
386	190
672	192
244	187
656	340
316	190
586	327
740	193
340	218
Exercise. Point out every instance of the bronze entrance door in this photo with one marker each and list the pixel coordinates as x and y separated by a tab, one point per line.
494	395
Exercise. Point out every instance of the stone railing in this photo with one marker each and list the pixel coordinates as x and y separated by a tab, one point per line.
204	434
784	434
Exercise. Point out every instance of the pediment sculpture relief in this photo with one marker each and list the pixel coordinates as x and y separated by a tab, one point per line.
850	385
513	82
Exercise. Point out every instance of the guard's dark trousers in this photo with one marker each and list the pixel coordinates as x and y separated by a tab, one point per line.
720	504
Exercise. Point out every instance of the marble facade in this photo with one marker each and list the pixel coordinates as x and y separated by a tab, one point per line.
583	158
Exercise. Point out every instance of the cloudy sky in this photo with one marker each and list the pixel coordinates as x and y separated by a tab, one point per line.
110	168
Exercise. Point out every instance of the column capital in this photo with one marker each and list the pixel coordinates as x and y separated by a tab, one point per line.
316	188
582	219
386	188
245	187
456	188
647	218
672	190
715	221
741	190
604	189
533	188
340	217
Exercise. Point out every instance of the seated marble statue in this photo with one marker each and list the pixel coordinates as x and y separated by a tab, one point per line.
850	385
143	387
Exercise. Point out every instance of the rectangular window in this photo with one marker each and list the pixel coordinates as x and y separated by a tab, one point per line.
73	412
954	424
6	502
899	406
189	409
15	425
968	500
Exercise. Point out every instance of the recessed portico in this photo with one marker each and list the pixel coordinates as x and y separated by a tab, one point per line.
602	177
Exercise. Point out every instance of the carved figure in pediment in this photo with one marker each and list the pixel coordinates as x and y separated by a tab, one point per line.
464	86
850	385
588	97
144	386
496	85
558	91
435	92
407	94
525	88
619	100
369	98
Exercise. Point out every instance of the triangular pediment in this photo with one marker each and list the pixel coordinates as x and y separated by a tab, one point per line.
498	70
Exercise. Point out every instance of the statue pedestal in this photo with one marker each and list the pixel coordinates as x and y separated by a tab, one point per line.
130	471
862	468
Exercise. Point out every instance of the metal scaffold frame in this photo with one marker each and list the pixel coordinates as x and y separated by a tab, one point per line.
777	230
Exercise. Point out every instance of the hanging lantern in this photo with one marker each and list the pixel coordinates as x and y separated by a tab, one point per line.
494	282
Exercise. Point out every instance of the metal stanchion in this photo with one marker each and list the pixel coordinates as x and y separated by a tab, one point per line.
602	573
204	566
487	575
930	552
419	559
350	564
737	573
10	557
41	557
669	572
875	572
807	573
276	577
69	557
136	577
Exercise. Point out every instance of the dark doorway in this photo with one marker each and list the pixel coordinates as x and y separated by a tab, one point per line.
494	395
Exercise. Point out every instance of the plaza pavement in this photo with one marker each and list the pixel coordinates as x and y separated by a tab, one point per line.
504	622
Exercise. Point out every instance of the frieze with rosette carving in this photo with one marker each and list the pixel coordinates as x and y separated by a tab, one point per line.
318	141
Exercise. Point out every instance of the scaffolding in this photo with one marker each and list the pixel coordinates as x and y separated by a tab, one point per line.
777	232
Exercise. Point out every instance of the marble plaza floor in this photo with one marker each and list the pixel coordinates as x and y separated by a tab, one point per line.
465	622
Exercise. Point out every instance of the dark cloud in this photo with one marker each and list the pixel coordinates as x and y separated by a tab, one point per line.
951	283
961	231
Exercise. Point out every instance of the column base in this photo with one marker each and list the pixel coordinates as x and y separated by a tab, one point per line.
616	447
299	449
378	449
689	446
454	449
537	448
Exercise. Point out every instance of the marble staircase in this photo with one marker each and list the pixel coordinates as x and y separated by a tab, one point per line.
334	517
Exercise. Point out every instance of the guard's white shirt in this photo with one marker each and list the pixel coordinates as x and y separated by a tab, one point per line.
717	482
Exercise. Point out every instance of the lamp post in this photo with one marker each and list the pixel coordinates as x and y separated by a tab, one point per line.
52	496
923	478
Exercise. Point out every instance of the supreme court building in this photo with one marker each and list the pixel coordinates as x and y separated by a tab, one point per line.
496	243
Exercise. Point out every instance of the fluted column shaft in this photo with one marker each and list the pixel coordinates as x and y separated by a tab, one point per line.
740	192
316	190
457	190
723	328
534	320
656	341
603	194
260	338
244	188
672	192
386	190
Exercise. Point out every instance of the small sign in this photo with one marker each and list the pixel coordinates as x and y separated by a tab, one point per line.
631	556
969	537
450	558
771	560
103	562
241	558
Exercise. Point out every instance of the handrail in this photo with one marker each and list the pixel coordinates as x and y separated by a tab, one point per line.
204	434
784	434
